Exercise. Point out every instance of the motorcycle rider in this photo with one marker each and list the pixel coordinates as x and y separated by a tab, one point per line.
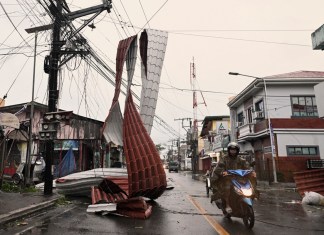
231	161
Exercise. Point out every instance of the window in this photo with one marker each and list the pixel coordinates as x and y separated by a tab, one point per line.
259	106
240	119
304	106
259	110
302	150
249	114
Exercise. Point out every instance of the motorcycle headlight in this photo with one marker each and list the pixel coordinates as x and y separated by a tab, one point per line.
238	191
247	192
243	191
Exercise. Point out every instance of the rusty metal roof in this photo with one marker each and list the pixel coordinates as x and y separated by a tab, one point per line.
112	129
146	175
108	193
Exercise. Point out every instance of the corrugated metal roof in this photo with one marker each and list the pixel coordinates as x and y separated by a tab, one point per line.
109	194
152	47
146	175
112	129
299	74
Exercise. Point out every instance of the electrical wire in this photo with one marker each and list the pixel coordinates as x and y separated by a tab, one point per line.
153	15
244	40
144	14
13	24
121	2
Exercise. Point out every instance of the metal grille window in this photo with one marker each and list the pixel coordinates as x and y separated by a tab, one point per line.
240	118
302	150
303	106
259	106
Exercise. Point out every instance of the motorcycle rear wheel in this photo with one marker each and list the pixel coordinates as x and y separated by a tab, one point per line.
16	179
248	217
207	189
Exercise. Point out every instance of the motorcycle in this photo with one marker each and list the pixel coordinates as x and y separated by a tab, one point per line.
36	172
208	176
241	198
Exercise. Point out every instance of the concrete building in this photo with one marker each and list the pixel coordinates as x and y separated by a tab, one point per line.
276	117
214	137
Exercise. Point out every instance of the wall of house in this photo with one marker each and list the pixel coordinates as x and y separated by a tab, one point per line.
279	104
319	88
291	138
278	97
246	146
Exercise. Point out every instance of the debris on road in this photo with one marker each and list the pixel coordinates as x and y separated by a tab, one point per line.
313	198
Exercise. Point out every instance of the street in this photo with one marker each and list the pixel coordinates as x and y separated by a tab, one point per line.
185	209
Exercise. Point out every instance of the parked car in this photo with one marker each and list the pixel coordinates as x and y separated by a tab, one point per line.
173	166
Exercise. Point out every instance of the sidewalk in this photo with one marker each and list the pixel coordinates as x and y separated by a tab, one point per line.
14	206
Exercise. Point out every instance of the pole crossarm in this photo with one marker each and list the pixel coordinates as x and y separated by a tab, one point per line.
90	10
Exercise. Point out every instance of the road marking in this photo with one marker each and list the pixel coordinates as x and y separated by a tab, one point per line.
210	219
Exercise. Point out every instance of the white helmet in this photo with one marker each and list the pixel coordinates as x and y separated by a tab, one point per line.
233	145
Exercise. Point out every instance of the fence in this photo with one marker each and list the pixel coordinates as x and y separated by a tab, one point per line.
285	168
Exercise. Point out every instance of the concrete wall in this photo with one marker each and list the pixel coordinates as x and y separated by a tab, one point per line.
278	97
299	139
319	94
279	103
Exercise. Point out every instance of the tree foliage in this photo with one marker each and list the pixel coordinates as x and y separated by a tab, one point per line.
159	147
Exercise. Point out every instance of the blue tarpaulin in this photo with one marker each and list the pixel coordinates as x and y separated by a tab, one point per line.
67	165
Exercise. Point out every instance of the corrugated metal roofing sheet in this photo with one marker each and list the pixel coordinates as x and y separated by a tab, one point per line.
130	207
152	49
112	129
146	174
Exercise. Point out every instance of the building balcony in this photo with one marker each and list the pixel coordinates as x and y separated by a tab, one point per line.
253	130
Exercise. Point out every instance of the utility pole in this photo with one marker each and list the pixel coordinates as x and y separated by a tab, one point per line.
269	122
28	177
179	140
194	143
53	95
195	121
54	63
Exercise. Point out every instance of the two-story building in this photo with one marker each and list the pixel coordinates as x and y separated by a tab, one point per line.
276	117
214	137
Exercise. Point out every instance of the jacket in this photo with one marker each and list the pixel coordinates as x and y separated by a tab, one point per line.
228	163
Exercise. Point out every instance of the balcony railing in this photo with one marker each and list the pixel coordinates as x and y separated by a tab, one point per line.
258	115
251	130
246	129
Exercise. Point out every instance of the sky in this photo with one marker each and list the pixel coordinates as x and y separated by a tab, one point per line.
252	37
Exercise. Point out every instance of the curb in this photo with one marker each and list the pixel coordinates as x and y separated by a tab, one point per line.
22	212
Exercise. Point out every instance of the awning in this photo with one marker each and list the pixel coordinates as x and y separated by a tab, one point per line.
205	157
18	135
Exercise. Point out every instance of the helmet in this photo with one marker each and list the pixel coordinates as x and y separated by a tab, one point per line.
233	145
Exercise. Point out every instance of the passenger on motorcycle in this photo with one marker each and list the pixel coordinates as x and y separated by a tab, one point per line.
231	161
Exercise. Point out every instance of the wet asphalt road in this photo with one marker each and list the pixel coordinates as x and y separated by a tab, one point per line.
182	210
